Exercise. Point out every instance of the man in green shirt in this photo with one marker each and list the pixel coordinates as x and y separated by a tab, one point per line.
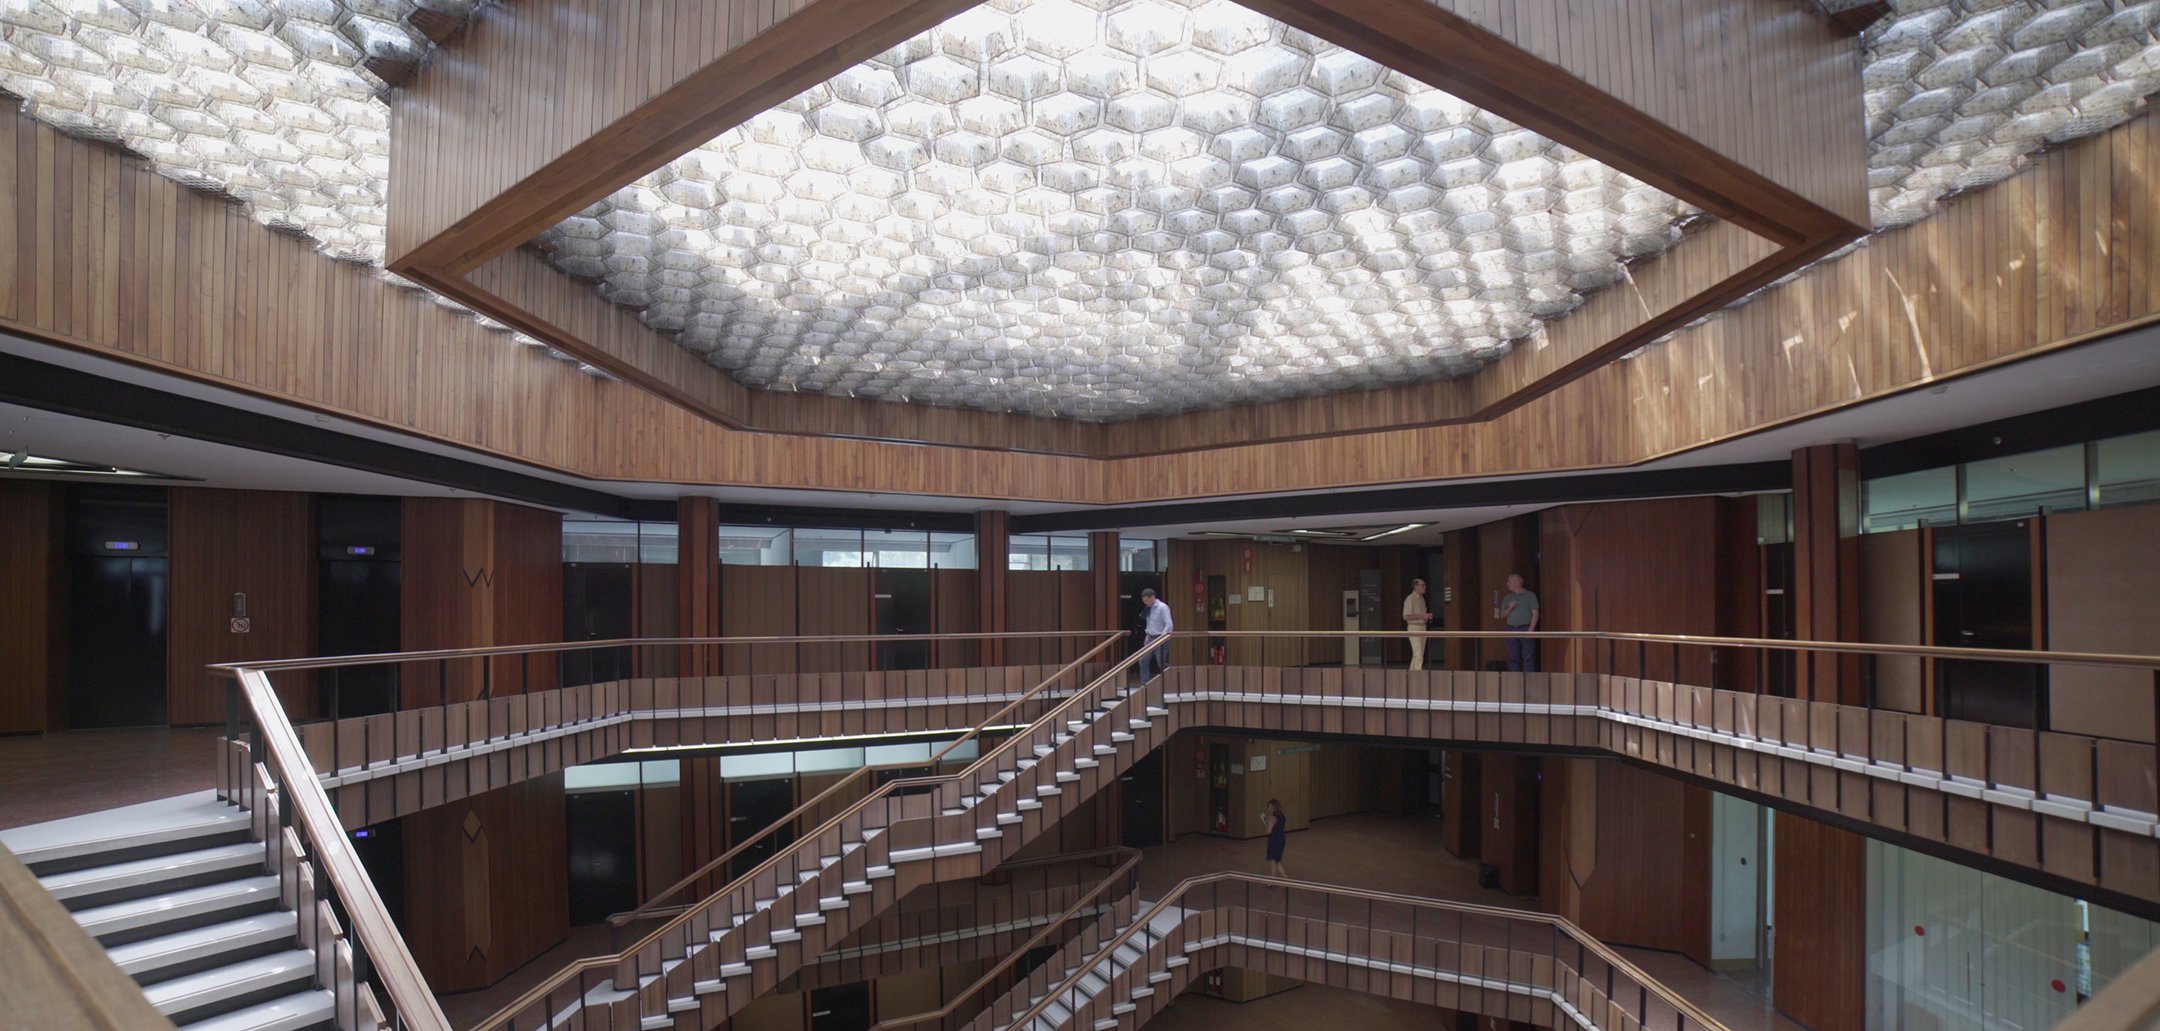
1520	610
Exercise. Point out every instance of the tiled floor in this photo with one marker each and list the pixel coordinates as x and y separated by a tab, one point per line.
49	776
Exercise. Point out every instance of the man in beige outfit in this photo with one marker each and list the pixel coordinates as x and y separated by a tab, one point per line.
1416	617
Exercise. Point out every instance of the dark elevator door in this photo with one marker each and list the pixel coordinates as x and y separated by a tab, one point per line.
753	805
116	607
602	828
1983	599
358	594
844	1007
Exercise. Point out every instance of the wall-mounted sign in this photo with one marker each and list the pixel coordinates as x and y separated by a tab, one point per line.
242	624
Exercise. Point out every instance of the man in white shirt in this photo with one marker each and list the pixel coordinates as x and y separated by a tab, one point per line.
1416	618
1157	626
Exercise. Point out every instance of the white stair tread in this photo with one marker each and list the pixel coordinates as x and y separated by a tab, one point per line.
291	1013
152	954
210	898
146	823
152	871
232	981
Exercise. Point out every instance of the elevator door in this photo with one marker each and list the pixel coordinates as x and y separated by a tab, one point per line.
602	838
1983	599
753	805
1142	788
902	598
598	605
360	609
1131	617
116	607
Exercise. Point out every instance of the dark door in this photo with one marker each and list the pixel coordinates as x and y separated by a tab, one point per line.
598	605
841	1008
1142	786
116	607
381	849
754	805
1779	669
902	598
1983	599
602	831
358	591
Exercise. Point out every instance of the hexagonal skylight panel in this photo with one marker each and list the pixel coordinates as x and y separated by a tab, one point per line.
1107	209
268	101
1960	92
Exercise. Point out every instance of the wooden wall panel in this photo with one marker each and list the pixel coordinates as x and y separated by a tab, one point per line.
1632	566
993	579
759	601
487	883
1036	602
832	601
1739	592
100	242
1625	854
32	612
1826	568
1819	967
1894	588
226	542
1508	819
953	597
480	573
2101	567
697	577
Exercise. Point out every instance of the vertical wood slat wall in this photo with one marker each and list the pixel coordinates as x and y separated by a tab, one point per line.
32	607
101	245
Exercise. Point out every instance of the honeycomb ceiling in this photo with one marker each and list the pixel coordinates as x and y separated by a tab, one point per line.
1106	210
269	101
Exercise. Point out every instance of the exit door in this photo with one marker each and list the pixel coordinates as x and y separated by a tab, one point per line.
1983	599
843	1007
598	605
601	833
754	805
1142	788
902	598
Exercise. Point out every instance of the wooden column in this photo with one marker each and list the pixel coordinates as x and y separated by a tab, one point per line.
487	883
993	550
697	579
1508	819
31	611
1826	568
1103	576
1820	966
1458	600
480	573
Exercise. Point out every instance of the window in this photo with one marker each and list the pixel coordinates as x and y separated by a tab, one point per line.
1048	551
818	547
1773	518
588	539
1912	499
897	549
1142	556
756	546
2021	485
952	550
2126	470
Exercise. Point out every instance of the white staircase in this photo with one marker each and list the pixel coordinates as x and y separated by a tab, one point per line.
177	892
1101	971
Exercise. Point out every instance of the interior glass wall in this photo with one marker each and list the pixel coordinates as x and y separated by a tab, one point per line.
2117	471
1040	551
1953	946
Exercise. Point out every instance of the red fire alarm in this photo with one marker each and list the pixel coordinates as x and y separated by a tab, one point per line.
1919	930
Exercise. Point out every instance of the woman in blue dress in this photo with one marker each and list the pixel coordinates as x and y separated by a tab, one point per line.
1277	835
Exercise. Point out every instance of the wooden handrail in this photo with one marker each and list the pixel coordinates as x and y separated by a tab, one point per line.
1765	643
539	992
59	976
228	669
649	908
1132	859
302	796
1142	920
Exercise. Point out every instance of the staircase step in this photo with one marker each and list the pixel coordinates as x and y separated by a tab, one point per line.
136	919
1105	749
186	823
809	919
1086	763
300	1011
1027	805
659	1023
987	833
1138	724
1123	1008
734	970
77	889
784	936
1157	710
760	952
709	987
855	888
1041	750
1120	736
1008	819
283	973
1047	790
876	872
184	952
1176	961
832	903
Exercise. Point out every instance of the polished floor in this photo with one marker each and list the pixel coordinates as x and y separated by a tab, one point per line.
50	776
